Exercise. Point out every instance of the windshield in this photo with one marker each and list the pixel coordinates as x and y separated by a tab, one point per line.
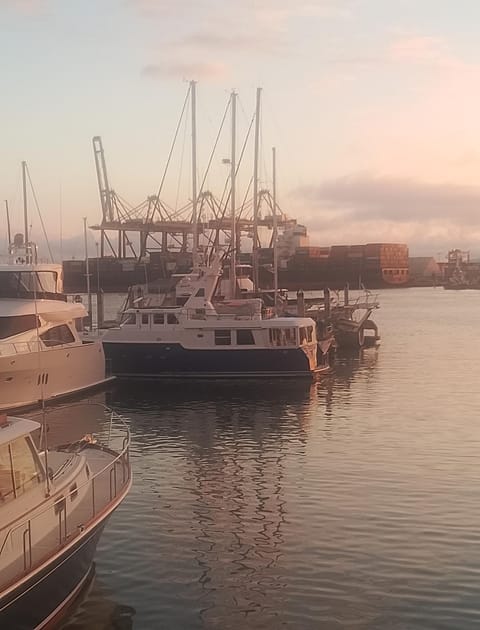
17	324
28	284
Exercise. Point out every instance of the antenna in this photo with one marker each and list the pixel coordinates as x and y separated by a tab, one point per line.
193	96
233	159
255	192
61	223
275	229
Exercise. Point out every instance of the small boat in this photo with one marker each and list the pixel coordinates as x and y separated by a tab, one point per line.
43	353
53	507
200	338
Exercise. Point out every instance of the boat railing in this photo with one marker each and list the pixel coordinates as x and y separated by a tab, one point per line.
199	314
366	300
9	348
19	347
100	489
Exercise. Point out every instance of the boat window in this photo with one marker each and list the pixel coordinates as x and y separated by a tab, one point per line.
303	335
200	293
283	337
144	318
172	319
129	318
79	324
27	283
46	281
275	336
27	472
6	478
158	318
223	337
289	337
245	338
57	336
306	334
17	324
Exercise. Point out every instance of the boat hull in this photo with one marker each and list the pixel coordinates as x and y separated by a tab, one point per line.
40	601
28	377
156	360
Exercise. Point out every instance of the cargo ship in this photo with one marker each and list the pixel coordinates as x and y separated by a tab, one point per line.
371	266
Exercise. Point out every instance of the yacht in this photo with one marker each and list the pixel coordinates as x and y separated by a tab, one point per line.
53	507
43	352
197	337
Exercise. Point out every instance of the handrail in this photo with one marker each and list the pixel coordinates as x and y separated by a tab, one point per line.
24	347
366	300
192	314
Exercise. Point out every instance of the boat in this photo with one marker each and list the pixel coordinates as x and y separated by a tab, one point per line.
43	352
198	337
54	505
460	272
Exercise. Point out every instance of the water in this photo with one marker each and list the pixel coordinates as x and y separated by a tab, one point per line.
349	503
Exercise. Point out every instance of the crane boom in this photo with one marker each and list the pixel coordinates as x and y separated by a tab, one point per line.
102	178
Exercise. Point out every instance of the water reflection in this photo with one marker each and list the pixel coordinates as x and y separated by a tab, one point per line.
222	454
100	610
219	468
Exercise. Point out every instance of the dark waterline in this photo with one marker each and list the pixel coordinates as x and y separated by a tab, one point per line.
348	503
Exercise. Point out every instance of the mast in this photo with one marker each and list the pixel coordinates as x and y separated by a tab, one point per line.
233	159
193	96
255	191
25	209
87	270
9	233
275	229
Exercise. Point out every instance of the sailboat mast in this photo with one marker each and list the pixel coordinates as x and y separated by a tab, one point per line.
25	209
9	232
87	271
255	191
193	97
275	228
233	166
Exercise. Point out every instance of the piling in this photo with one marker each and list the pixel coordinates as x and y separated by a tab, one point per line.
100	310
300	303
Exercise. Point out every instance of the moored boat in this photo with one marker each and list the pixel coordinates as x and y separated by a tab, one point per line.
199	338
43	354
53	507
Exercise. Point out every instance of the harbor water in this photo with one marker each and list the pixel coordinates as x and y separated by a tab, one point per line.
352	502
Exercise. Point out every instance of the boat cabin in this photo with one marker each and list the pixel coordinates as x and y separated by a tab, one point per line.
219	330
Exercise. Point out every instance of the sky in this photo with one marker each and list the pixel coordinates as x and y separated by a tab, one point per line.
372	106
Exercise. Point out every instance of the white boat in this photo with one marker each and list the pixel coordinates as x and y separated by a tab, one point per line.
43	354
53	507
200	338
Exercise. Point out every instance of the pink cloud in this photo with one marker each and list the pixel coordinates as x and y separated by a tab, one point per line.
28	7
194	70
422	49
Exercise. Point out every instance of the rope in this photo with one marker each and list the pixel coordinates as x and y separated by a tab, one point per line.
173	145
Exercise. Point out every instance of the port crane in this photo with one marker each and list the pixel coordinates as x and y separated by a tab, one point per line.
203	222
